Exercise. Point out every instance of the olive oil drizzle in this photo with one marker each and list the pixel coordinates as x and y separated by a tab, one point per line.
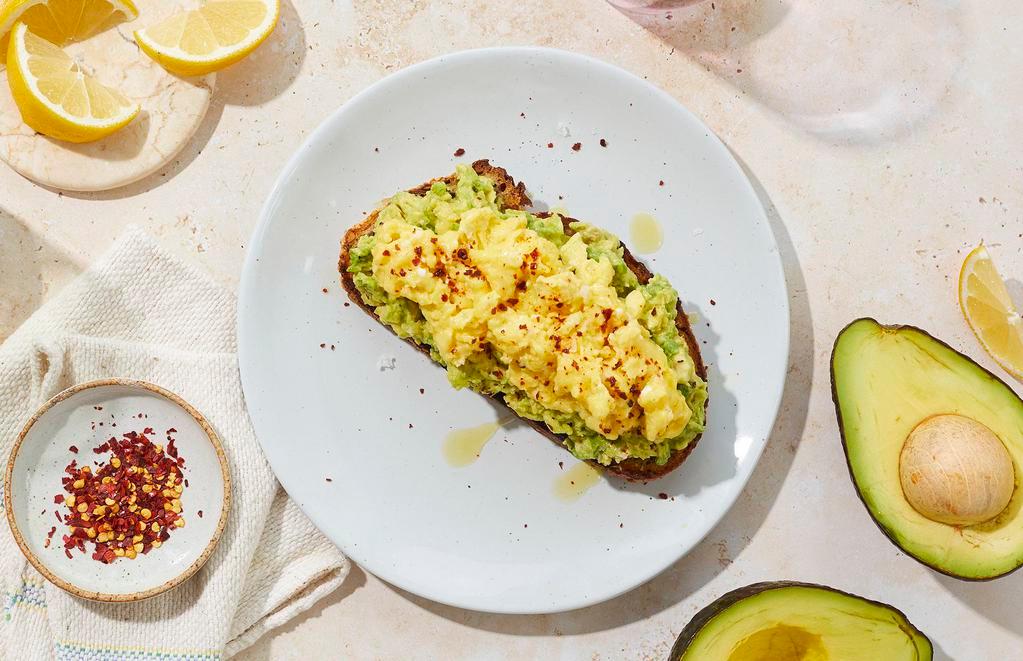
645	233
576	481
462	447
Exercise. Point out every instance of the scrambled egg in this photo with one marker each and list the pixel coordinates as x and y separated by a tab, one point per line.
549	317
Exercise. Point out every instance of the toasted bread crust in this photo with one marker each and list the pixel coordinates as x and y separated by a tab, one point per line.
512	195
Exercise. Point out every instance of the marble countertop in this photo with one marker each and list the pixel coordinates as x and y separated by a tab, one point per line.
884	140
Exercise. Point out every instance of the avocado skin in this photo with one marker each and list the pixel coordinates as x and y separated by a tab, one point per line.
845	446
711	610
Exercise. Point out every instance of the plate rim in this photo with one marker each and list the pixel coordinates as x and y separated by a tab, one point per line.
251	264
117	597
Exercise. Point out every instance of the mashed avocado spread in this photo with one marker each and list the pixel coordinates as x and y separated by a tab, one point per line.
556	324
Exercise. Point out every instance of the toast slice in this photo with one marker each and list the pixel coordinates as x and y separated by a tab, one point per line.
512	195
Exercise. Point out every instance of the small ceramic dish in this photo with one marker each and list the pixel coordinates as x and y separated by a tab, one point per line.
86	416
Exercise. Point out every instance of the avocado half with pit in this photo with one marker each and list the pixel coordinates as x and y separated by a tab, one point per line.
788	621
934	444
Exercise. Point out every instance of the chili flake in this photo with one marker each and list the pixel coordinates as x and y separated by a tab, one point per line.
129	504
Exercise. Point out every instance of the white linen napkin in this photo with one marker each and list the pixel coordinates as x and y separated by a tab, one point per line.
139	313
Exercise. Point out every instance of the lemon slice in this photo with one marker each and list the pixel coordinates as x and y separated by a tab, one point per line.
63	21
218	34
55	97
989	310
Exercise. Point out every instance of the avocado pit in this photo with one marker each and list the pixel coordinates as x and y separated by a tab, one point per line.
955	470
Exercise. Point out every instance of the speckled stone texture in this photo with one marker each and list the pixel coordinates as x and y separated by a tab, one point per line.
883	138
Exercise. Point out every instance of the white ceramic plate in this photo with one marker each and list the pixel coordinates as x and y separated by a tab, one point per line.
492	536
85	417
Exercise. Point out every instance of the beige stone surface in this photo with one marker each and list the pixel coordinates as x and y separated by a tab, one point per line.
172	109
884	138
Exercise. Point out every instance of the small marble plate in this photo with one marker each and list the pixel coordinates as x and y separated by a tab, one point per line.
172	111
85	416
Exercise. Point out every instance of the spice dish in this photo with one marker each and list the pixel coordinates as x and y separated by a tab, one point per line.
117	490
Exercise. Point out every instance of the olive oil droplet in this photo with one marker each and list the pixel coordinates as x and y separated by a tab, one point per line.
646	235
463	446
576	481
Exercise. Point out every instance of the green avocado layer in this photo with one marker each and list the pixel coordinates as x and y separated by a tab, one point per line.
799	622
439	210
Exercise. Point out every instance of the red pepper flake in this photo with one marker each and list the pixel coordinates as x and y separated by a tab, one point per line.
603	142
329	479
129	504
332	347
323	345
713	302
661	182
662	496
347	304
577	146
98	408
73	449
459	152
422	391
199	513
49	537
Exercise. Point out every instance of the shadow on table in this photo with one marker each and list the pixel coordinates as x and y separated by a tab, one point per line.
260	78
940	654
731	536
29	267
838	71
996	601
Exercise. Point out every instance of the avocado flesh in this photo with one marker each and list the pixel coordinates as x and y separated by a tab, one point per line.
800	622
886	381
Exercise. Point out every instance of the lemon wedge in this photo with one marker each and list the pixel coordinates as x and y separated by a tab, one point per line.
216	35
62	21
989	310
56	97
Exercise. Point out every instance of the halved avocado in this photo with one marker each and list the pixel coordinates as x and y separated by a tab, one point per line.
886	380
788	621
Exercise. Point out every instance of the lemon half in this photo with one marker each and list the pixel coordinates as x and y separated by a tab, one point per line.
216	35
56	97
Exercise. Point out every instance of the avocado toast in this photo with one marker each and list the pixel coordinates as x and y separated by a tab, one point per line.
623	387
